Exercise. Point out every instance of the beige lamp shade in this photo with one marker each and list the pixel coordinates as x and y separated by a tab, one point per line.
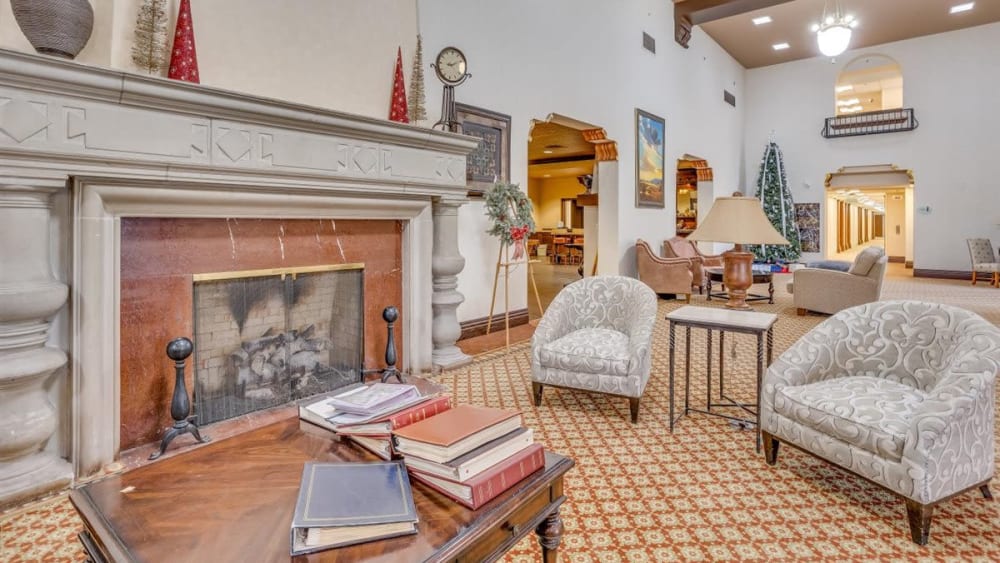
738	220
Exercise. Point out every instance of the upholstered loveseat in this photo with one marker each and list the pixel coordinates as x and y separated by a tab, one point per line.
679	247
596	335
898	392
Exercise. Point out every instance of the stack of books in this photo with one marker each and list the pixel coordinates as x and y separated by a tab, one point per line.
367	415
470	454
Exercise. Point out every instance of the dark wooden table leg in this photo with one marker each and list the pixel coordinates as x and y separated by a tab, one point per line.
549	536
770	292
709	298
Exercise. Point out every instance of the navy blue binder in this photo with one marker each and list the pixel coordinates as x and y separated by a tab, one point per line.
346	503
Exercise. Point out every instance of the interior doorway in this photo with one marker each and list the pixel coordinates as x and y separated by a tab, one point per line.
870	206
694	184
564	157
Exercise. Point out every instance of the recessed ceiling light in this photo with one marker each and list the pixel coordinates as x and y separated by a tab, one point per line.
780	46
761	20
844	88
849	102
961	7
546	175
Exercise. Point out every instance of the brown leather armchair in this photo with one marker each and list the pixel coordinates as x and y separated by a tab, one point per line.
679	247
663	275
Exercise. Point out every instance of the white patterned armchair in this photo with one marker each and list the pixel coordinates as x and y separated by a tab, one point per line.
900	393
596	335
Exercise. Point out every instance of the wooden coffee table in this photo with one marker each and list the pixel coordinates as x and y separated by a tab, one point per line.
232	500
715	275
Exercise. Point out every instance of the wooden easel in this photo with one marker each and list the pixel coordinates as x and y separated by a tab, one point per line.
503	261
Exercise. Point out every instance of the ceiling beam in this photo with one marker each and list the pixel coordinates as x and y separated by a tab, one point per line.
690	13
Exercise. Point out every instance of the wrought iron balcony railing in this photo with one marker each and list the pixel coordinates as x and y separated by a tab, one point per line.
870	123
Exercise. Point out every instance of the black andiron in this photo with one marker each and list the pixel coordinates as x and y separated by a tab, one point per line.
178	350
389	315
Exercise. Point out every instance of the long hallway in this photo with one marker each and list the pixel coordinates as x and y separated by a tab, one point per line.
849	254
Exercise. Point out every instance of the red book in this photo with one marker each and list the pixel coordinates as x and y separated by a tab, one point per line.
489	484
454	432
383	426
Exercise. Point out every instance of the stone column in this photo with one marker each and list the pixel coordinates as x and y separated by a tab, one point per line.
446	263
29	297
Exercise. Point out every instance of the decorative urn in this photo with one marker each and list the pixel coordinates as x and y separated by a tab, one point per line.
55	27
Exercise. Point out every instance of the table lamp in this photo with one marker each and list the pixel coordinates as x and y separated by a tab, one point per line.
739	220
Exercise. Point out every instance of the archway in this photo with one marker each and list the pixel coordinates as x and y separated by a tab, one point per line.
568	163
868	83
869	205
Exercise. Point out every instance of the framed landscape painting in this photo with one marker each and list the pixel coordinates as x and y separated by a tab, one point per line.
649	149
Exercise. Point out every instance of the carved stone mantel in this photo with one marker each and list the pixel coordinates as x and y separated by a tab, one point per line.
115	145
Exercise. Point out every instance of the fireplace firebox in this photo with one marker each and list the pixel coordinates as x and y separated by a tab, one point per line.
267	337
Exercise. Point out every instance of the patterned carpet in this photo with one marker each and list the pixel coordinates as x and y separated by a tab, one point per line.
640	493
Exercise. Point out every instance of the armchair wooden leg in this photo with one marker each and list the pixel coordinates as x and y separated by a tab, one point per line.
770	447
536	392
687	298
919	516
633	406
973	277
985	489
801	312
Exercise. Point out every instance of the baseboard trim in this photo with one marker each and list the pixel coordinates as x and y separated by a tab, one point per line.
477	327
898	259
908	265
942	274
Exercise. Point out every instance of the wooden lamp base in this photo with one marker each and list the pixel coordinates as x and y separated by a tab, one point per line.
737	276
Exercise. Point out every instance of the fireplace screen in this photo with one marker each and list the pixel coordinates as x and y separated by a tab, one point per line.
264	338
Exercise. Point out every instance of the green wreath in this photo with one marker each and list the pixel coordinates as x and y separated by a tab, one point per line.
510	210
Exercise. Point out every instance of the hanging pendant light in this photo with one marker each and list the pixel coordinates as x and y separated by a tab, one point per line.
833	34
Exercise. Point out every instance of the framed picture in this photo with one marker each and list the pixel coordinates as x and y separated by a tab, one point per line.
649	148
490	162
807	219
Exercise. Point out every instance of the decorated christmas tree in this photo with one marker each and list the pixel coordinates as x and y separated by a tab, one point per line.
776	199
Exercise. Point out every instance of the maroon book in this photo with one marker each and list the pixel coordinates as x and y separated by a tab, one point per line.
489	484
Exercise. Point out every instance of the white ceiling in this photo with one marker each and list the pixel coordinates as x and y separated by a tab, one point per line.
879	21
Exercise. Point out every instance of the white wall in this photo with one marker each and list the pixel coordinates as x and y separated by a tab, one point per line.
951	80
584	59
338	54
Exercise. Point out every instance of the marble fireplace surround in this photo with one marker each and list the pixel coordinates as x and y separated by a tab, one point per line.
86	147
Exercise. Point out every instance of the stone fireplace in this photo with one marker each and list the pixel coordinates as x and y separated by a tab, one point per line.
90	157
